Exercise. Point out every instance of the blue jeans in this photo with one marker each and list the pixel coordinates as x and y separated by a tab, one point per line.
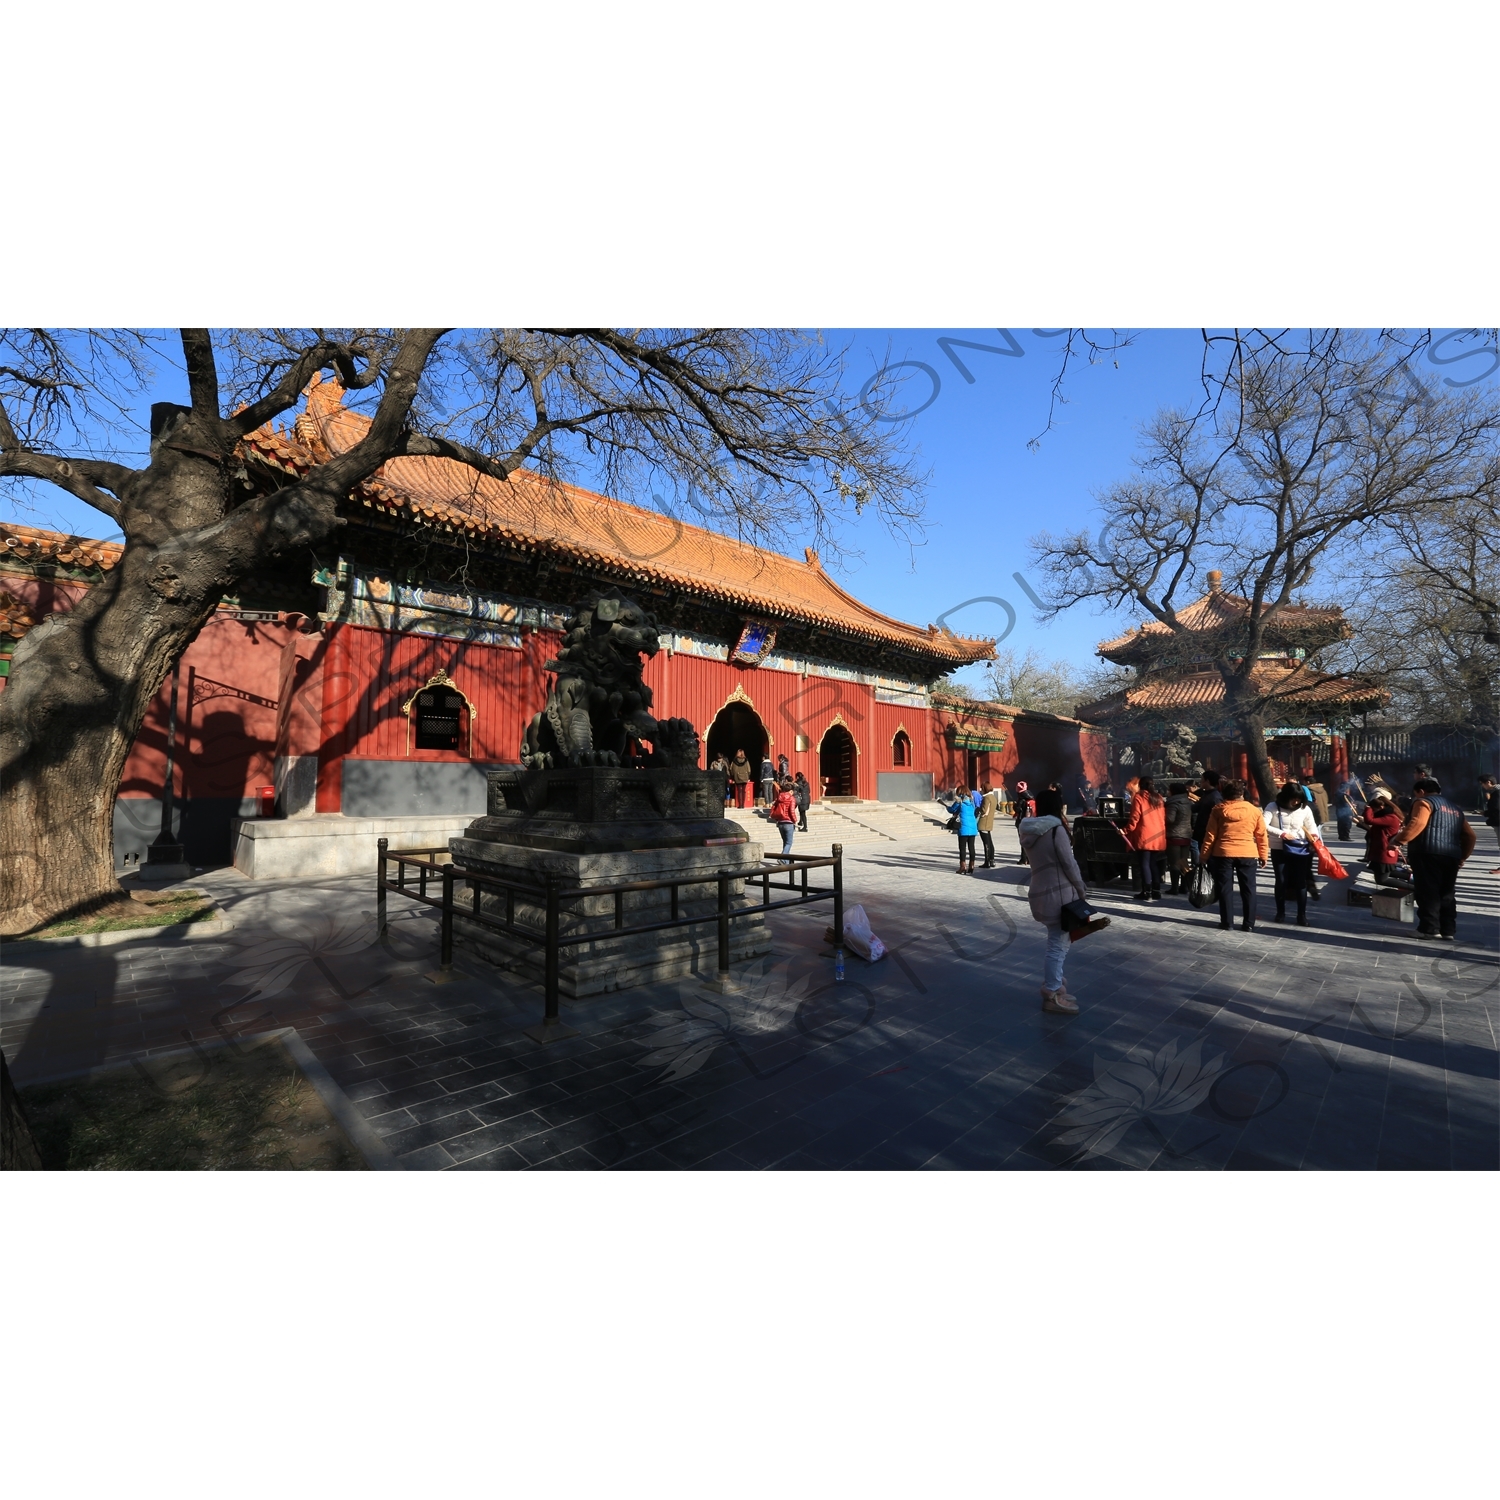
1345	820
1057	954
787	830
1151	863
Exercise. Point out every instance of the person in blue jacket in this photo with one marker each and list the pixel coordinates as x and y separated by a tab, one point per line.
963	809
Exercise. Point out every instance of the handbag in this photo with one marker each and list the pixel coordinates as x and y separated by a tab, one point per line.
1201	892
1078	919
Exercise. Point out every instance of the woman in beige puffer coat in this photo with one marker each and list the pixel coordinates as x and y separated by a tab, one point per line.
1055	881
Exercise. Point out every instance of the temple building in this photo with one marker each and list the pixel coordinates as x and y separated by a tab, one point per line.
369	688
1176	715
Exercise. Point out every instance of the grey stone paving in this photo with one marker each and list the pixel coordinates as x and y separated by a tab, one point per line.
1349	1045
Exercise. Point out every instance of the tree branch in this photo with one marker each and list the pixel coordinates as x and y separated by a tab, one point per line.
306	510
81	478
342	358
202	371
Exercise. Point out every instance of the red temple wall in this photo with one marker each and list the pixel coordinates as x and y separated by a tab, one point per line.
250	693
226	735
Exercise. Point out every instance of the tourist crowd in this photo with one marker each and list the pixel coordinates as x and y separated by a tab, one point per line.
1209	840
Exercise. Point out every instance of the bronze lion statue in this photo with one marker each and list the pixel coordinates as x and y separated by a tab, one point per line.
599	710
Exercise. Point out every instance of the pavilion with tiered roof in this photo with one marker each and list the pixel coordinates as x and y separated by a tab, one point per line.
1305	708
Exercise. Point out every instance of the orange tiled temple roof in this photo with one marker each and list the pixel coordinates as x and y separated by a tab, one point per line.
29	546
1216	612
1289	687
530	513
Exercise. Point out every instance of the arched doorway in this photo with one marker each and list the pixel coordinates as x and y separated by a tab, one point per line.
738	727
838	763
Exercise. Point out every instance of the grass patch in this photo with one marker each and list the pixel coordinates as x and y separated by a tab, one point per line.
139	909
223	1110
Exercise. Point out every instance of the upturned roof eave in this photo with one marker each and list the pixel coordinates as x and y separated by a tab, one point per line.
293	452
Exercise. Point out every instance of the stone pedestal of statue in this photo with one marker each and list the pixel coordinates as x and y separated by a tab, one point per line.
602	826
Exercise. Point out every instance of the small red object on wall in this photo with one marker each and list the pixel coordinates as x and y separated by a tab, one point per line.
267	798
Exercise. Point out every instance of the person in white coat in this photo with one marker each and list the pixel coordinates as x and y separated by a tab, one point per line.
1055	881
1291	828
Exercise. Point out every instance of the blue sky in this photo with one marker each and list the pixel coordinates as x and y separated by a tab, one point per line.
988	491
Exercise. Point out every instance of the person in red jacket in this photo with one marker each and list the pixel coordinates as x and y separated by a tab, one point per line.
1381	823
783	813
1146	832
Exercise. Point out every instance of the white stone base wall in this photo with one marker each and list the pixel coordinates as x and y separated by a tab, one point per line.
331	844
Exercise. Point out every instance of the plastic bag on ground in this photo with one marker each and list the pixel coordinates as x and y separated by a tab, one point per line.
857	935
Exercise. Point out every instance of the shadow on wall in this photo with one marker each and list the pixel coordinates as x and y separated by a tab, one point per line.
1047	752
404	788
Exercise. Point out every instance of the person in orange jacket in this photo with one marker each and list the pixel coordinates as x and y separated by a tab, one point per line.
1234	845
1146	832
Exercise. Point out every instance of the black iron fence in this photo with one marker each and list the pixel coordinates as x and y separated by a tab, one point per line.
435	866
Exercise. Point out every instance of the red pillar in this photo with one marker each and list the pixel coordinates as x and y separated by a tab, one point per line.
338	704
1338	757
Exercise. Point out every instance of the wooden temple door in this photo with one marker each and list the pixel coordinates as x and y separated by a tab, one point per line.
838	763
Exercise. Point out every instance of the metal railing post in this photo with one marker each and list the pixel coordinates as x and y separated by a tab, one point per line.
552	1028
381	846
723	927
838	910
553	914
444	974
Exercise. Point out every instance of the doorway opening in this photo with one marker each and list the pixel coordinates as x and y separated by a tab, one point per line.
738	727
838	763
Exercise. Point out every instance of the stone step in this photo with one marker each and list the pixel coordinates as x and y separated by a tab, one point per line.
849	823
820	824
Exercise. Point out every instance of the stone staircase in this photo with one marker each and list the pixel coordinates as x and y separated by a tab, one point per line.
849	824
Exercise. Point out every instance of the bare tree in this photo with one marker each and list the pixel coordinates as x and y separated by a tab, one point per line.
1304	446
1027	679
753	422
1428	621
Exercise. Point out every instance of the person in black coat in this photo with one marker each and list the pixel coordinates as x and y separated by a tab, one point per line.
1050	803
1490	797
802	791
1209	797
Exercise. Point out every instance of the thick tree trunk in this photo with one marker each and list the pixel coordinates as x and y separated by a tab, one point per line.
81	683
18	1148
80	687
1248	713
